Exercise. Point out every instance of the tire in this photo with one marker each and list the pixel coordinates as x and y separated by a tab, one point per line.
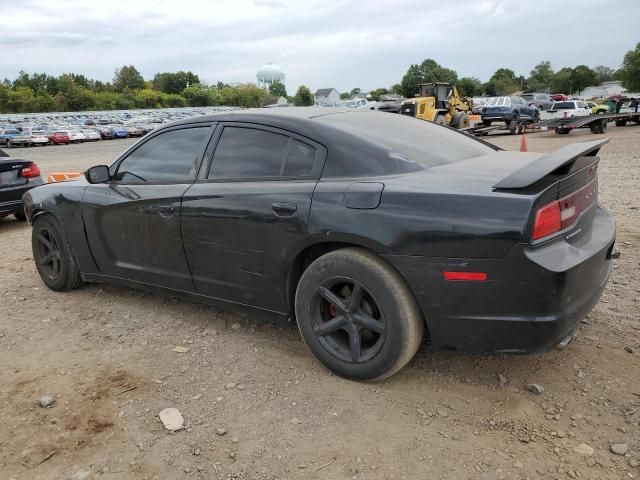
20	216
621	122
371	341
440	120
52	253
535	118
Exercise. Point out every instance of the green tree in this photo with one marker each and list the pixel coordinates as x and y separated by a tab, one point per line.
469	87
197	95
629	73
377	93
604	74
127	77
344	96
303	97
502	82
428	71
169	82
354	92
277	89
582	77
540	77
562	80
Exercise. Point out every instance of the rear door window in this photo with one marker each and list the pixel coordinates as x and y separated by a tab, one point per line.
248	153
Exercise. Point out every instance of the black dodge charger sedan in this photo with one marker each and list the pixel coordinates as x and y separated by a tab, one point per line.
370	231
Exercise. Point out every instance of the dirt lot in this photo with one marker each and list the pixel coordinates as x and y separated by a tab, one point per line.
106	354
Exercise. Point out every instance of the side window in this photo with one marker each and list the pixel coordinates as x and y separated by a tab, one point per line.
169	157
248	152
422	109
300	160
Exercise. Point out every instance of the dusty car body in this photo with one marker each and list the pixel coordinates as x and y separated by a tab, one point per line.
363	228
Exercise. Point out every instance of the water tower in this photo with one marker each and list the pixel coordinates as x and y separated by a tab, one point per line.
268	74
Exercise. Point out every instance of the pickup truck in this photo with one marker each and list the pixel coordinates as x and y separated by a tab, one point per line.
12	137
569	108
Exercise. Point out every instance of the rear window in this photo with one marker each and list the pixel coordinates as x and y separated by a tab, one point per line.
563	106
408	139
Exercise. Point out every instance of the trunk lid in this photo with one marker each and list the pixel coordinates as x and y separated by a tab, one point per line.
10	171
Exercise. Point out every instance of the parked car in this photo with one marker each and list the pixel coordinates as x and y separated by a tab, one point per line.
360	104
19	139
16	177
507	110
38	137
570	108
91	135
559	97
119	132
597	108
76	136
542	101
282	212
9	136
59	137
106	133
133	131
390	103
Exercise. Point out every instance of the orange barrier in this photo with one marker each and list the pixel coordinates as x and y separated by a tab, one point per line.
63	177
474	118
523	144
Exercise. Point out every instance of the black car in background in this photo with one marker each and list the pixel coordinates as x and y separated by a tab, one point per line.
368	230
508	110
16	177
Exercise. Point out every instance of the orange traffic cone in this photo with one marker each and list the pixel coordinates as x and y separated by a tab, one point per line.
523	144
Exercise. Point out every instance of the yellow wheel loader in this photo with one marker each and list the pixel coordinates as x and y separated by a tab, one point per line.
439	102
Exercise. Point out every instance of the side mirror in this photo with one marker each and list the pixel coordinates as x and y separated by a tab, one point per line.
98	174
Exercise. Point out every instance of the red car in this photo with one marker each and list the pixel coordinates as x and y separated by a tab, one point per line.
559	97
59	137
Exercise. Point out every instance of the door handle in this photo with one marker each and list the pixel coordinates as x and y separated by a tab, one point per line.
165	211
284	209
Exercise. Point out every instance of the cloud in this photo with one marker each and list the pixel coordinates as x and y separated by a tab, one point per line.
342	44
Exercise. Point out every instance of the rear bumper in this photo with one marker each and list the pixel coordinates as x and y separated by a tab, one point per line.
11	198
532	300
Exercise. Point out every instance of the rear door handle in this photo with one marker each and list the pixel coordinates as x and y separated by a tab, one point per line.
165	211
284	209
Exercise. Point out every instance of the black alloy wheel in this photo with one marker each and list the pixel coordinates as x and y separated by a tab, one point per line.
348	320
52	254
357	314
47	253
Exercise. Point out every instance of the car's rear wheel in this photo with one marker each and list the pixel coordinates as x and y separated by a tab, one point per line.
52	253
357	315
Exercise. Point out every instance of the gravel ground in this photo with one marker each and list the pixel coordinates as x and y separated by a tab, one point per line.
257	405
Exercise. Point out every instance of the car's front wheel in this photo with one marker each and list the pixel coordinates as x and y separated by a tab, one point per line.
52	253
357	315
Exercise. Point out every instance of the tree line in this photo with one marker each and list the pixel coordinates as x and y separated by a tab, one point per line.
505	81
40	92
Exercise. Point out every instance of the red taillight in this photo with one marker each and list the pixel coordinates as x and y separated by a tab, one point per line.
465	276
30	171
547	221
561	214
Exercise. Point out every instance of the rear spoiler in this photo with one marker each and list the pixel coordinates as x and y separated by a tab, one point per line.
534	171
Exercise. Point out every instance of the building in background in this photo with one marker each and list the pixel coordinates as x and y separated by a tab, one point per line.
604	90
268	74
328	97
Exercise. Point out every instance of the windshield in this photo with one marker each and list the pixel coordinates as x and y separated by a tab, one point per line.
498	102
563	106
528	96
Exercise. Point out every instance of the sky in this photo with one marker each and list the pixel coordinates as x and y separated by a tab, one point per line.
321	44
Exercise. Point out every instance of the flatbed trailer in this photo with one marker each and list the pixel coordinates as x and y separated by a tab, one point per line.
514	128
596	123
